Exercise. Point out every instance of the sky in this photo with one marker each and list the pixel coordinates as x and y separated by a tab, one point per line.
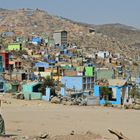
88	11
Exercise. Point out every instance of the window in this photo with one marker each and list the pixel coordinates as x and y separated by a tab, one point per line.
1	85
41	69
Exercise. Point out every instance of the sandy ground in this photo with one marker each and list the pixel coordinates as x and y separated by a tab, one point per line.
33	117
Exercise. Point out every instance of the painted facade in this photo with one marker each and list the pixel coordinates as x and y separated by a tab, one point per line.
4	60
79	83
41	66
15	46
36	40
31	91
89	71
119	93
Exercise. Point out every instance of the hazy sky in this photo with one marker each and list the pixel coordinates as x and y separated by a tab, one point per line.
90	11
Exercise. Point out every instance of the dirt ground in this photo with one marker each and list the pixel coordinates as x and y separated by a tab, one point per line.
30	118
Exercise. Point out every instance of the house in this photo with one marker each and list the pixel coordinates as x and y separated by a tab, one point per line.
41	66
51	62
36	40
19	39
17	76
15	65
31	91
117	91
60	37
4	60
102	54
79	83
89	71
8	34
15	47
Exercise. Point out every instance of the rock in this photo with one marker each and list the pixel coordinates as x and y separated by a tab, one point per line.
83	102
6	102
43	136
20	96
69	103
64	102
55	100
128	106
137	101
72	132
136	106
117	106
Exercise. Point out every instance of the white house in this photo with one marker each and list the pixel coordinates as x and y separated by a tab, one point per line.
102	54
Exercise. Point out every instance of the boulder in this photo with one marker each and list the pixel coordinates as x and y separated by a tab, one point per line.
43	135
55	100
137	101
136	106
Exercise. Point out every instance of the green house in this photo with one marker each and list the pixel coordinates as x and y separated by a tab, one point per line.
15	46
31	91
89	71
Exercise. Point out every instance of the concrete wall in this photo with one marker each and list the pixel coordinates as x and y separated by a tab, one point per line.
104	74
57	38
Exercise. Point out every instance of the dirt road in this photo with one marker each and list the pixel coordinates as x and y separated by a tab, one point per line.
32	117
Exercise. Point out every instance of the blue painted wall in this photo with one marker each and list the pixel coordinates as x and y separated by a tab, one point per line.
102	101
72	81
47	96
27	88
36	40
42	64
62	91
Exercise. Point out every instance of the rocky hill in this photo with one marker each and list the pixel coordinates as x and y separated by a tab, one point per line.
112	37
121	32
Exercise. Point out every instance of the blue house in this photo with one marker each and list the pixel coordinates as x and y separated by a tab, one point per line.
79	83
51	62
36	40
41	66
119	89
72	82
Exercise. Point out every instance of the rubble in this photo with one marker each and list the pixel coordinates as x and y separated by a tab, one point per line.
67	100
55	100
